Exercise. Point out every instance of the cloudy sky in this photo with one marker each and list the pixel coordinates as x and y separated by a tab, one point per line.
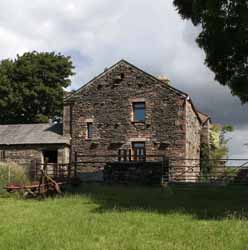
97	33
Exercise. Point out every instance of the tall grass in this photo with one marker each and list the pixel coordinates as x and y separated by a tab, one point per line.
11	173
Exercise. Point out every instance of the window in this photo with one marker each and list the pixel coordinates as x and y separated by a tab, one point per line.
89	130
139	151
139	111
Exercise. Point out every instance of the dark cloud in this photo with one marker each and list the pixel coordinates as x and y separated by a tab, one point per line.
99	33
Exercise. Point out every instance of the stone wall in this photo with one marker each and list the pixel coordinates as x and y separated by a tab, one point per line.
205	133
63	155
193	143
24	154
21	154
67	120
193	133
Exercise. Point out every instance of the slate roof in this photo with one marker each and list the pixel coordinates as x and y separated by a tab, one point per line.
20	134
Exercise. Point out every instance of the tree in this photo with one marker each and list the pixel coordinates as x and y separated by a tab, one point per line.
31	87
217	148
224	38
218	142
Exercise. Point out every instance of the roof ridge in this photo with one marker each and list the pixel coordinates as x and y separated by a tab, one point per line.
20	124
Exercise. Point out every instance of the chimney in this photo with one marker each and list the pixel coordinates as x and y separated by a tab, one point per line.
164	79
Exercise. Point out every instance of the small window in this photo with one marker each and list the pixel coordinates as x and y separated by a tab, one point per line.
139	111
89	130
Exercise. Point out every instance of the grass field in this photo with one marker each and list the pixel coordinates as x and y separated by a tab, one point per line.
119	217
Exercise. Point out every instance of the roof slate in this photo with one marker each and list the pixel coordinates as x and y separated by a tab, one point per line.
19	134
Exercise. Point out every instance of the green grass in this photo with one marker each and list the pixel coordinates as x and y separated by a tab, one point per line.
119	217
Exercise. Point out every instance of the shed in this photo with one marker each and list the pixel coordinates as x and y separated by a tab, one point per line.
22	143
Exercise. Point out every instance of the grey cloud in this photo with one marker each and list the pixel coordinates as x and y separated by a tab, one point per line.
99	33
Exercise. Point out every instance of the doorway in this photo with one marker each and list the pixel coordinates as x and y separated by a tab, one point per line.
51	156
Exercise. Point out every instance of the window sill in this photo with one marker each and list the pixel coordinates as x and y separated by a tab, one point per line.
138	122
93	140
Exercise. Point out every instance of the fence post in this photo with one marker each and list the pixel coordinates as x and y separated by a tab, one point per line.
130	154
68	171
75	165
165	171
33	170
144	155
54	169
45	165
119	155
125	154
8	173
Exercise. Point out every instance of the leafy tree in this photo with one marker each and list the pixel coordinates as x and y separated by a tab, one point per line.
224	38
218	142
31	87
217	149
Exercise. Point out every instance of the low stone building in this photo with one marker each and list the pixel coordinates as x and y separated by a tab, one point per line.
127	108
23	143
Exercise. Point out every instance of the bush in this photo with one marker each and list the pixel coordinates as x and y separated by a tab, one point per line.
11	173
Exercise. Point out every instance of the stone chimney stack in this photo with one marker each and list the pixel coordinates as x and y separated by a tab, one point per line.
164	79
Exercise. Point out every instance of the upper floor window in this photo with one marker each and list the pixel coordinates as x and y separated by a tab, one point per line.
139	111
89	130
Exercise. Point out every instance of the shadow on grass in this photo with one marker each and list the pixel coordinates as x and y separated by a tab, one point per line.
214	203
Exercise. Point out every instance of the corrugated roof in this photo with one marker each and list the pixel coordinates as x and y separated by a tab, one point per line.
32	134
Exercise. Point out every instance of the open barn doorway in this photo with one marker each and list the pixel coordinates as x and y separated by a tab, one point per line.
51	156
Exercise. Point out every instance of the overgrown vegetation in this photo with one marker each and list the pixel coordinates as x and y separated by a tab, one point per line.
218	141
216	150
11	172
127	217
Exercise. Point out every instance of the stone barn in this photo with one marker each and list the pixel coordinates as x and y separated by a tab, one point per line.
23	143
125	108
